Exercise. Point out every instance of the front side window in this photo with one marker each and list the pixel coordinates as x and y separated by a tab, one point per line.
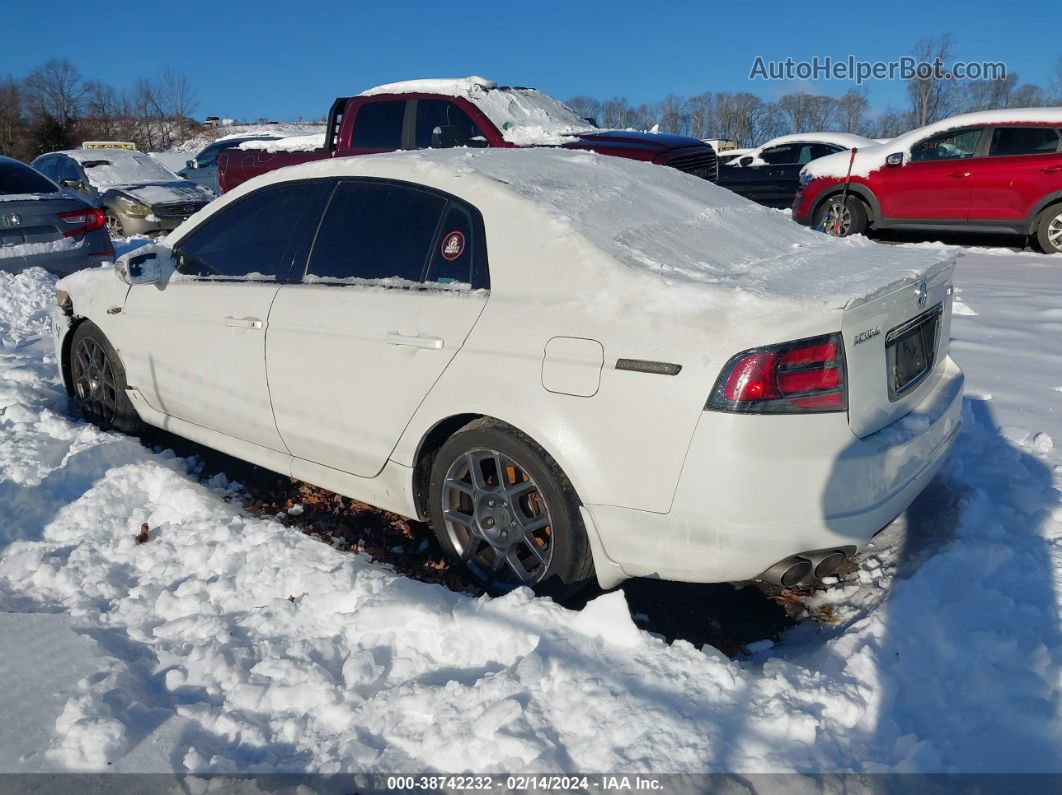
820	150
442	124
953	145
254	239
1008	141
374	231
67	169
378	125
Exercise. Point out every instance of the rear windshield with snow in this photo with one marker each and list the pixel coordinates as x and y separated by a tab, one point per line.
16	178
125	168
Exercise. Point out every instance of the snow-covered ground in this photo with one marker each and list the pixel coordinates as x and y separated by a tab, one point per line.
229	643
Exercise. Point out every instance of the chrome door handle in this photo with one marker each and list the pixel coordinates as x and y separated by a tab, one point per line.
417	341
243	322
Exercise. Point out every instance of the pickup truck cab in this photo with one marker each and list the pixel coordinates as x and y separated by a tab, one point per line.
445	113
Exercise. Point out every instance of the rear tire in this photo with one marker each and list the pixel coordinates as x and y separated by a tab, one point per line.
1048	236
98	379
502	507
830	219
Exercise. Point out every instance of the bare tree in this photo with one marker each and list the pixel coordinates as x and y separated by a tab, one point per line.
672	115
987	94
852	108
587	107
808	112
12	122
177	99
931	95
1028	95
891	123
1056	83
55	89
700	110
614	112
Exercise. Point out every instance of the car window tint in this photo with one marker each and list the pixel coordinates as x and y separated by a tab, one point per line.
453	254
254	239
1023	141
46	167
67	169
18	178
378	125
953	145
375	231
821	150
779	155
442	124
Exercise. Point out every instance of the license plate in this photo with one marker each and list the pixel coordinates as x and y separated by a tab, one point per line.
910	350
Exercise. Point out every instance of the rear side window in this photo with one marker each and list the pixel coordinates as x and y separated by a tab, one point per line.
442	124
254	239
378	125
453	254
779	155
821	150
1023	141
375	230
18	178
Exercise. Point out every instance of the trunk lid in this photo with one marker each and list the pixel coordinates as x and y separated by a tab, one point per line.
895	344
35	220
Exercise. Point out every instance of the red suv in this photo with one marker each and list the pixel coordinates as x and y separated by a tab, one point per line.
996	171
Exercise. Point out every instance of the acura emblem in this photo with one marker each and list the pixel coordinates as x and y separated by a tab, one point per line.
13	219
923	295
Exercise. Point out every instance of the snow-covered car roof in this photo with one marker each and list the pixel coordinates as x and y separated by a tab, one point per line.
586	212
873	158
845	140
111	167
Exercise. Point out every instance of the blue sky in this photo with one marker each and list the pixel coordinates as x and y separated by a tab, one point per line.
283	60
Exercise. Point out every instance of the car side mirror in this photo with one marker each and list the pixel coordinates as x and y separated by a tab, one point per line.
745	161
447	136
190	164
73	184
144	265
895	159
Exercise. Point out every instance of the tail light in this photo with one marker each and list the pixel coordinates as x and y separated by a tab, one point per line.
799	377
82	222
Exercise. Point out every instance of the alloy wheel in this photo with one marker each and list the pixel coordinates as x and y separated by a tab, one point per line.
94	381
114	225
838	219
497	519
1054	232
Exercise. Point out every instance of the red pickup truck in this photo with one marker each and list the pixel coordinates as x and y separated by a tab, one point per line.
422	114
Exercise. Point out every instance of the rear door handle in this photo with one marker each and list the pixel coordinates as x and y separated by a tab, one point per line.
1051	169
414	341
958	174
243	322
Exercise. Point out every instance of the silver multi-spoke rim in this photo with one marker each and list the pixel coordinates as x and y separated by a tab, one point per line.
114	225
838	227
1054	232
94	381
497	519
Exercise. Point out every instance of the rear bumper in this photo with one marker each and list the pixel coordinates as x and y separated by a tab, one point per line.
95	249
757	489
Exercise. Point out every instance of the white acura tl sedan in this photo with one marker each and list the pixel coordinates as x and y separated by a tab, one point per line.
571	365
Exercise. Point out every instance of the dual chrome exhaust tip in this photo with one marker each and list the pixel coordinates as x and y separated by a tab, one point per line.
796	568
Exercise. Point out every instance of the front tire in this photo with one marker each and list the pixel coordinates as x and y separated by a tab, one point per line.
501	506
98	380
830	218
114	224
1048	237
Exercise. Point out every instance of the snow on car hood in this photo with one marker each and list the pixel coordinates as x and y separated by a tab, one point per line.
872	158
165	193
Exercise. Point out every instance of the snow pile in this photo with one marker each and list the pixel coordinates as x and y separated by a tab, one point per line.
195	143
873	158
298	143
845	140
445	86
168	193
527	117
30	249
